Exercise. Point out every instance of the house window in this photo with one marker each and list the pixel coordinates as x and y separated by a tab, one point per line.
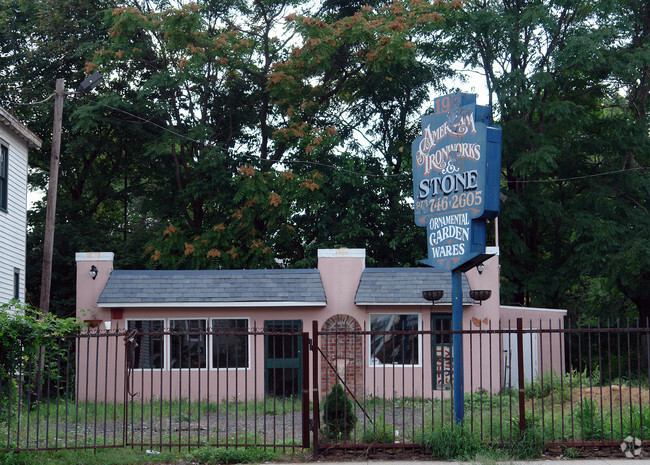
187	340
441	348
4	174
395	349
16	284
150	349
229	350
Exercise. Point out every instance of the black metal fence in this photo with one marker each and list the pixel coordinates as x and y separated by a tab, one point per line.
286	388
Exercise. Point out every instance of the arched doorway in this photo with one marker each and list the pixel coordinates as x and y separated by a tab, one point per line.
342	346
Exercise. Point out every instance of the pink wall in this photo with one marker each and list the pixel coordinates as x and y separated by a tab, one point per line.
88	289
482	354
550	344
341	271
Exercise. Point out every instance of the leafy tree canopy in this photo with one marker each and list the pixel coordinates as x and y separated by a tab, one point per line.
248	134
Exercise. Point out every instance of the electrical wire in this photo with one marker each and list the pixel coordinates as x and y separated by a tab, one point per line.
575	178
306	162
338	168
36	103
345	170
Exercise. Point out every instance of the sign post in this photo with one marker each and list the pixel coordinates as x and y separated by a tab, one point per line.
456	187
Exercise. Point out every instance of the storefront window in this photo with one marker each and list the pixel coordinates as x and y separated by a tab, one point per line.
188	349
395	349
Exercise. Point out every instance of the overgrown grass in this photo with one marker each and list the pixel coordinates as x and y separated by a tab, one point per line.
230	455
555	412
122	456
67	410
449	442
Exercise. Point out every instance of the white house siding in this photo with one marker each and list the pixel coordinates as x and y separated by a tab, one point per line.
13	222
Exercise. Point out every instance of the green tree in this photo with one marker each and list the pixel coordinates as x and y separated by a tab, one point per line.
259	85
556	70
101	183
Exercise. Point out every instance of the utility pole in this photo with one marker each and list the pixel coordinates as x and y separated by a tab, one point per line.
50	213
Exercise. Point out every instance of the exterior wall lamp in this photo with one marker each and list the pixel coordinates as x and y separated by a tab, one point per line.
480	267
93	272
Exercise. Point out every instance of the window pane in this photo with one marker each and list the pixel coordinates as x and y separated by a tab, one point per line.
442	324
283	345
150	347
229	350
399	349
188	346
16	285
441	346
4	169
3	161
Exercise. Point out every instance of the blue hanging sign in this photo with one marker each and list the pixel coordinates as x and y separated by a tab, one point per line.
456	178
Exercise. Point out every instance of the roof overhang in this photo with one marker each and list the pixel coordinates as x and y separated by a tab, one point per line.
533	309
31	139
209	304
402	304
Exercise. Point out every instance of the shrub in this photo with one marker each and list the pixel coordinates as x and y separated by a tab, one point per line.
29	342
338	416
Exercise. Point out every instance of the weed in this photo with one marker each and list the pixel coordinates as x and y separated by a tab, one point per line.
229	455
640	425
588	417
120	456
530	446
379	433
572	453
448	443
561	386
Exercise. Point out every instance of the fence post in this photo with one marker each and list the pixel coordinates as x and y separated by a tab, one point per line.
125	433
520	372
305	390
315	380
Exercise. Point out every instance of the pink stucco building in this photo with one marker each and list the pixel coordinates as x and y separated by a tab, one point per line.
341	294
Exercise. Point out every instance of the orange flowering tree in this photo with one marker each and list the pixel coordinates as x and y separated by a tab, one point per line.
281	89
253	233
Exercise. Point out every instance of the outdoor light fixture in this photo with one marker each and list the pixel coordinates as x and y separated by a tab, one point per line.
480	295
90	82
432	296
93	272
480	267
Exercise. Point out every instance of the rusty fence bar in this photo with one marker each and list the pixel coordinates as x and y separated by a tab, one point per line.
569	383
176	388
386	386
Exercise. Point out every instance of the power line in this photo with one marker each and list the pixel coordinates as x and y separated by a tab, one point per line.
338	168
306	162
36	103
345	170
574	178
